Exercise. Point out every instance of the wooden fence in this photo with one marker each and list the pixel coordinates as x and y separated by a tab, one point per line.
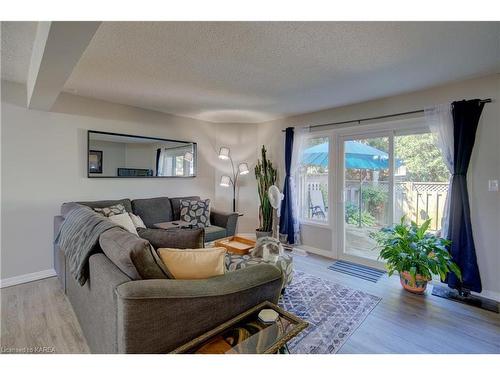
417	200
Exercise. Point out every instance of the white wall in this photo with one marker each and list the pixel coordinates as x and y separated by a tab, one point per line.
44	165
140	155
485	162
244	150
113	156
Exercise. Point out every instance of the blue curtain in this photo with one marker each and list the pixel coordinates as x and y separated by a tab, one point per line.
466	116
286	217
158	153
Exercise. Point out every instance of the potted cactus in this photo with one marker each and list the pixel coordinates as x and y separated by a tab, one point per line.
415	254
266	176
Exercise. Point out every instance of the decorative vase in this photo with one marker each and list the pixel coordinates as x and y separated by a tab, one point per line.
417	285
261	233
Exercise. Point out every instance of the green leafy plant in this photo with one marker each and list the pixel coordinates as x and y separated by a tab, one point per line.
352	216
266	176
374	198
410	248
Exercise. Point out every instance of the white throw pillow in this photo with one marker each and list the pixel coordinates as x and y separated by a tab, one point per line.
138	223
124	221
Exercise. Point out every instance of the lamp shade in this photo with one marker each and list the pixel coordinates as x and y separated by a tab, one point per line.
225	181
243	168
188	156
224	153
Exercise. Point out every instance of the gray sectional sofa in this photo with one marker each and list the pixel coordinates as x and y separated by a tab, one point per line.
122	314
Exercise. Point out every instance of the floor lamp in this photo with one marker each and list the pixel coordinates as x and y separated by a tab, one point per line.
226	181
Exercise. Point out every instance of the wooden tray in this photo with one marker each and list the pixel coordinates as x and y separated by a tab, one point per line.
236	244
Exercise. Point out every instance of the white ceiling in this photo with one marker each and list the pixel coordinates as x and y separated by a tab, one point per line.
258	71
17	43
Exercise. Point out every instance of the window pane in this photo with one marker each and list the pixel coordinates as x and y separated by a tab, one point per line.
179	165
313	180
366	192
420	179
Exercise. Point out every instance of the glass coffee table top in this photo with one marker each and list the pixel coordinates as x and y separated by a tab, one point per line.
247	334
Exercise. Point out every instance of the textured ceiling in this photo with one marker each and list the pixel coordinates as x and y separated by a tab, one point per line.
257	71
17	43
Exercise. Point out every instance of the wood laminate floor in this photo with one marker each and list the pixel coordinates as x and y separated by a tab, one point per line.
38	315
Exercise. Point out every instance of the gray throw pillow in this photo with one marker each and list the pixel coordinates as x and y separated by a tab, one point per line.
132	255
196	212
174	238
116	209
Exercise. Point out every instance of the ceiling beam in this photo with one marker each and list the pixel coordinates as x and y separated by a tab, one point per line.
57	49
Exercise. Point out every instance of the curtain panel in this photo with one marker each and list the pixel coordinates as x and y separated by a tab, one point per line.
440	121
466	115
287	217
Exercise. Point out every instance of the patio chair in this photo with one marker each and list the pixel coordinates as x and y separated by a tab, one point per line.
317	204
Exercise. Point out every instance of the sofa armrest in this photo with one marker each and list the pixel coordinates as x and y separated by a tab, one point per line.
157	316
227	220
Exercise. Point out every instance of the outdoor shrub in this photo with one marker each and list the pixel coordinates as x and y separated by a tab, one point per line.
374	198
352	216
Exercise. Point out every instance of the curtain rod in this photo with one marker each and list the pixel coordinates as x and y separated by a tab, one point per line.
378	117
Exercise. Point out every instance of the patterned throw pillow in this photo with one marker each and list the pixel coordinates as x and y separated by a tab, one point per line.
116	209
197	213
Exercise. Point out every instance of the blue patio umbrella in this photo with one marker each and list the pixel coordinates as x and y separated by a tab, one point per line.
357	156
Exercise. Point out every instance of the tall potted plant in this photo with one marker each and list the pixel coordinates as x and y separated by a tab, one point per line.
415	254
266	176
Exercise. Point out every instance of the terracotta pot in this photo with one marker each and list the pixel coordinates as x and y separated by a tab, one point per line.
417	285
261	233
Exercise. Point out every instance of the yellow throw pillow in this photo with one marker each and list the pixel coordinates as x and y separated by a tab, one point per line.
190	264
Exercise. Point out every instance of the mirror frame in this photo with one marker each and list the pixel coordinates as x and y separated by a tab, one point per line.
92	175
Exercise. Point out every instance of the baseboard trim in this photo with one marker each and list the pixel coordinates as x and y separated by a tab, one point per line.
314	250
488	294
21	279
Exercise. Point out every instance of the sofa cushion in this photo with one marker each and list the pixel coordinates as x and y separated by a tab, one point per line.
116	209
124	221
173	238
192	264
137	221
132	255
176	205
66	207
213	232
153	210
196	213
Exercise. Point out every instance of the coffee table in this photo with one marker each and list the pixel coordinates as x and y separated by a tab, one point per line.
246	334
173	224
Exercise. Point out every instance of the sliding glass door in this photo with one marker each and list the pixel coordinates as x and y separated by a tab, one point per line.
367	190
386	176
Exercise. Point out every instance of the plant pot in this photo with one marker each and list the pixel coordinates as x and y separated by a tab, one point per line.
261	233
417	285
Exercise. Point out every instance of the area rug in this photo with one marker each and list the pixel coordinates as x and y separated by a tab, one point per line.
333	311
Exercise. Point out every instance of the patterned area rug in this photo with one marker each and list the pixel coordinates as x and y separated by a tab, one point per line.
332	310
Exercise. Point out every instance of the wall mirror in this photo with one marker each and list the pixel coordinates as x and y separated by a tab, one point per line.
125	156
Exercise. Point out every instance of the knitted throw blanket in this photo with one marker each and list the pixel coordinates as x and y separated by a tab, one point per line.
78	235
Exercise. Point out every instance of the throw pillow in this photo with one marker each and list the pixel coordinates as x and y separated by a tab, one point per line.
138	223
124	221
174	238
132	255
196	213
116	209
192	264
